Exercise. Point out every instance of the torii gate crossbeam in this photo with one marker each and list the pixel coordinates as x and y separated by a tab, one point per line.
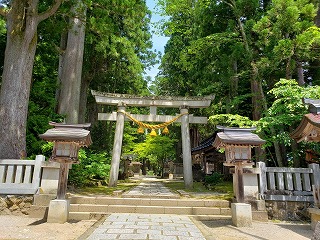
124	100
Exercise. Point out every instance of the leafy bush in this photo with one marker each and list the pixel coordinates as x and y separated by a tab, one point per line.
212	180
92	167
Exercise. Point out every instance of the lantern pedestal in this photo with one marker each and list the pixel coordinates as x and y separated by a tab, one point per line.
58	211
241	214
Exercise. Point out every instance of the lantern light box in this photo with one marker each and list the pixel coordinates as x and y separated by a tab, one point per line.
237	143
67	139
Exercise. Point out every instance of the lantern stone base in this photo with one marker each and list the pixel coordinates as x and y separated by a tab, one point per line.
58	211
315	217
241	214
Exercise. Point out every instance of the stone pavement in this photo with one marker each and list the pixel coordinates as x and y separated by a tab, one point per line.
147	226
150	187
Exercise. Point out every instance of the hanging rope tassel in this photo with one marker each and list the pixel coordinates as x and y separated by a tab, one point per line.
140	130
153	133
165	131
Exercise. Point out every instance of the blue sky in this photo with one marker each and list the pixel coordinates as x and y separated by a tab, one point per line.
158	41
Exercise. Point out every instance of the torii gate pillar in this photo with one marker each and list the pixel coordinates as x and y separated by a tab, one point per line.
186	148
117	145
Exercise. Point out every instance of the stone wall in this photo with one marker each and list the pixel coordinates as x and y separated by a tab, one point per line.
288	211
15	205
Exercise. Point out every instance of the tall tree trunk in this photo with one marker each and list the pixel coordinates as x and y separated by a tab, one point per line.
317	18
295	151
288	69
235	81
260	103
71	66
22	22
257	96
83	100
301	81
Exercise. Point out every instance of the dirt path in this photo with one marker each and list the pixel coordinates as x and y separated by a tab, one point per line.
224	230
23	227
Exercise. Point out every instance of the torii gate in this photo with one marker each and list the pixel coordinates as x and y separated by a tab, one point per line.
124	100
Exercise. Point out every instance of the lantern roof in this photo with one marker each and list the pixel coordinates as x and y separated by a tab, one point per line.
68	133
237	136
309	127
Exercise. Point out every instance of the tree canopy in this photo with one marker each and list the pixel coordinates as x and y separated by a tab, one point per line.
259	58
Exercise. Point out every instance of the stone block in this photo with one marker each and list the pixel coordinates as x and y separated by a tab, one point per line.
50	177
315	217
38	212
43	199
206	211
178	210
58	211
225	211
150	209
241	214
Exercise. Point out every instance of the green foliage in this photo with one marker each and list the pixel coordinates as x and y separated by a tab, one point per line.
287	34
224	189
157	150
118	46
230	120
92	167
287	109
212	180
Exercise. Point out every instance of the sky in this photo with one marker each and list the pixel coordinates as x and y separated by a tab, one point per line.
158	41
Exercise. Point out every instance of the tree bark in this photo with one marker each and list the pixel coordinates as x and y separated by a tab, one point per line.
70	66
317	18
83	100
301	81
257	94
22	22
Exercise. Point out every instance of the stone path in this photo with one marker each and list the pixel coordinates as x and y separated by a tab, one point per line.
150	187
147	226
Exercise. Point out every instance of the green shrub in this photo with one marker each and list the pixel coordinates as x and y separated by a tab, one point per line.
212	180
92	167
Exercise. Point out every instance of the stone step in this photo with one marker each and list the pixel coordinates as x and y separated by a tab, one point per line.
150	202
78	216
94	208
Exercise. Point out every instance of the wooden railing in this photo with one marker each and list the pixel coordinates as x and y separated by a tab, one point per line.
289	184
20	176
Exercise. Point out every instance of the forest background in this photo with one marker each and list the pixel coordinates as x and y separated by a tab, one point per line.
258	57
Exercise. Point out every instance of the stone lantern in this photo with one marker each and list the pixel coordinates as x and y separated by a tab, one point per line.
67	139
237	143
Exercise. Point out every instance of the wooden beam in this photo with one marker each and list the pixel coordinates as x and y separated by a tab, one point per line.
146	101
151	118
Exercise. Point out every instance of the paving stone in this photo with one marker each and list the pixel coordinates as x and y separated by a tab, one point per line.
116	230
145	225
162	237
102	236
176	233
192	238
133	236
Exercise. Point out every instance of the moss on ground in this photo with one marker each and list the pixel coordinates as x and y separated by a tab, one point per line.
123	185
223	190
